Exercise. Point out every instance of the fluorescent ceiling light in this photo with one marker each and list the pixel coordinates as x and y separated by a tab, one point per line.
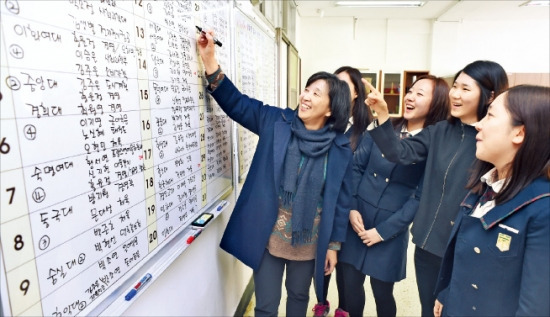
536	3
380	4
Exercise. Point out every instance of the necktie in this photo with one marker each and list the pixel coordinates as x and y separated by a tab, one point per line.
405	135
487	196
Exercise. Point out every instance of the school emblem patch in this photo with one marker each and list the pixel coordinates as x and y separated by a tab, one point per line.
503	242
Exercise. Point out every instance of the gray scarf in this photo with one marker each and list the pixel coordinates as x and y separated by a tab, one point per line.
304	176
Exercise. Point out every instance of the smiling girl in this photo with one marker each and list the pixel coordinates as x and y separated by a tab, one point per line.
448	149
497	261
384	205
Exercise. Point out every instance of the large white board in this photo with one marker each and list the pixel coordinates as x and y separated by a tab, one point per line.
255	74
109	144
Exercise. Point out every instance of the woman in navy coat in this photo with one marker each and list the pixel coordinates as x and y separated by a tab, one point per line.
497	261
295	200
384	205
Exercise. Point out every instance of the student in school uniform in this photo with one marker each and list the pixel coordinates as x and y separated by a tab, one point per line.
384	205
360	116
448	148
292	212
356	129
497	261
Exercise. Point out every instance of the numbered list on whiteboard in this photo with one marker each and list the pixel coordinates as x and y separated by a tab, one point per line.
110	144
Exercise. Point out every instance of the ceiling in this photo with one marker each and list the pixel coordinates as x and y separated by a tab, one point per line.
440	10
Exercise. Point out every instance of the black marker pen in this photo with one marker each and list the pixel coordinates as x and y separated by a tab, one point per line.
215	39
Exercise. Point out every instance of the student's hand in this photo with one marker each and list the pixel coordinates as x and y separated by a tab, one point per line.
370	237
438	307
330	261
207	51
356	221
376	102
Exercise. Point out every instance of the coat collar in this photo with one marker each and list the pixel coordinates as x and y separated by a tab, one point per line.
538	189
282	133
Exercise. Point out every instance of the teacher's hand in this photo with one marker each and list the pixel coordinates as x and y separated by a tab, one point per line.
330	261
438	307
207	51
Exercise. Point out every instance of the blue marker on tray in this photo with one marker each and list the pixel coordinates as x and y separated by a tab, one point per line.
138	286
223	204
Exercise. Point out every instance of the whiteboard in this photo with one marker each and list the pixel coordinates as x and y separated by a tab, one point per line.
255	74
109	144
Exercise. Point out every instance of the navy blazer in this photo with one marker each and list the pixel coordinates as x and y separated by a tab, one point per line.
499	264
448	150
251	223
384	194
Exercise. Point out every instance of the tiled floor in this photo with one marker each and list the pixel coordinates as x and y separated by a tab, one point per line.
405	292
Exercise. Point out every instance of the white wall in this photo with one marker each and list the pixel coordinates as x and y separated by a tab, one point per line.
519	46
441	47
390	45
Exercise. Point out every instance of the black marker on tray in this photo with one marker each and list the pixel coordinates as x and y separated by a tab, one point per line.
215	39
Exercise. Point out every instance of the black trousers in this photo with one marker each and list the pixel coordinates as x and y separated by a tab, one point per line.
268	283
426	266
351	292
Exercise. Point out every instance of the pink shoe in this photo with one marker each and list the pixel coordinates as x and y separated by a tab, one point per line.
321	310
341	313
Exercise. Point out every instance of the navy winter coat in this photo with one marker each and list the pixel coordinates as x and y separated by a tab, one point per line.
384	195
255	212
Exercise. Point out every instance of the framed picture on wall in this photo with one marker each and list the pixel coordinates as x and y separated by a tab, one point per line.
392	92
372	77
